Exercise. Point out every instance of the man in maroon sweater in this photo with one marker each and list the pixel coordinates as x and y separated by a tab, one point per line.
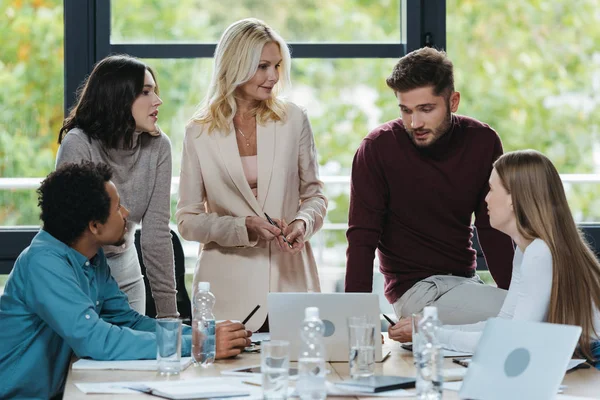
416	183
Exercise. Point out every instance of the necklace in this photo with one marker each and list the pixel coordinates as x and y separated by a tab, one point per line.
247	138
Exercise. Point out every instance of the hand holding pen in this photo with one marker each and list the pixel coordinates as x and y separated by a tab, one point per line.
291	239
260	228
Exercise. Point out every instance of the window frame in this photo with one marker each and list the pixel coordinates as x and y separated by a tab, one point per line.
89	42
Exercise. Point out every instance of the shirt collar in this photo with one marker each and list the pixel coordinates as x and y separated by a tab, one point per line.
77	257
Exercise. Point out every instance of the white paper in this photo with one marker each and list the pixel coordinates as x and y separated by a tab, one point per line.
197	385
129	365
454	374
333	390
260	337
452	353
455	386
574	362
104	387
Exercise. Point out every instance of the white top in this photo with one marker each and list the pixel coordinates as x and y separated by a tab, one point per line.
528	298
430	312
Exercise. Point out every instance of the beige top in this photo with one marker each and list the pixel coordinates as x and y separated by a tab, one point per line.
250	165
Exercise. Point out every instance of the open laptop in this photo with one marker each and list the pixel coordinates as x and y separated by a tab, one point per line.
286	314
519	359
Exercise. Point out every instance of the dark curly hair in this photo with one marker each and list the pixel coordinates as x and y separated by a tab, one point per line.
73	196
421	68
104	100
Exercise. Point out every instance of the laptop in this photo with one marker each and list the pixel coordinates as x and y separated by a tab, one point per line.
286	314
519	359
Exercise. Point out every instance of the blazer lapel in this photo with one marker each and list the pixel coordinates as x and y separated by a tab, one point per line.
265	136
233	163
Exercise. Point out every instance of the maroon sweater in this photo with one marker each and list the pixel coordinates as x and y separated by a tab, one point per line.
415	207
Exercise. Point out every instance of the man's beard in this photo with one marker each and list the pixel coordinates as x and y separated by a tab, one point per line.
436	133
123	239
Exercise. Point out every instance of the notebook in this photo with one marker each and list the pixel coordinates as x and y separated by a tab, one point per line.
378	383
127	365
182	390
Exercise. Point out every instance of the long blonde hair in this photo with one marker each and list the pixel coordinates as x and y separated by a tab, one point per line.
236	61
541	211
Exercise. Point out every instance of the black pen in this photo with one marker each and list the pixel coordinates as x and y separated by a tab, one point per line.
275	225
392	323
250	315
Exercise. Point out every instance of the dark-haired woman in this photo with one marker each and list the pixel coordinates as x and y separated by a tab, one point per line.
114	121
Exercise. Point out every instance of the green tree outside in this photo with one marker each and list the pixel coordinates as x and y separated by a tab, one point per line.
530	69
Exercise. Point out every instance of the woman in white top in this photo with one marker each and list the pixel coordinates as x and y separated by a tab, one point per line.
247	154
556	277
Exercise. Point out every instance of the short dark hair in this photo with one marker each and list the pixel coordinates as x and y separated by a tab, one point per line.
104	100
421	68
73	196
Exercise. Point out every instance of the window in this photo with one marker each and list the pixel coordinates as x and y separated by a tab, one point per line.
31	73
536	83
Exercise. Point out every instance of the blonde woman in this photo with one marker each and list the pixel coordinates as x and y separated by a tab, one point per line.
556	277
248	154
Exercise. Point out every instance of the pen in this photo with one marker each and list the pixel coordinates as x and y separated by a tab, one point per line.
275	225
250	315
252	383
389	353
392	323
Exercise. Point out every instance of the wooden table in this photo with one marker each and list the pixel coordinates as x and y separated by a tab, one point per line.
580	383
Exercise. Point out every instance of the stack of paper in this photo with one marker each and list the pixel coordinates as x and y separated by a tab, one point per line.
198	388
129	365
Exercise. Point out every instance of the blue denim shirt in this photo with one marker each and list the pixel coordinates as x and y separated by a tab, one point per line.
596	353
56	302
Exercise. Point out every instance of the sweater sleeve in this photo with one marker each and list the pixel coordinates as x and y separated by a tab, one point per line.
497	247
313	203
458	340
193	222
74	148
157	248
535	286
368	204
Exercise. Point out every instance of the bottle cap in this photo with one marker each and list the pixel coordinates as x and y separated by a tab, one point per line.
204	286
311	313
430	312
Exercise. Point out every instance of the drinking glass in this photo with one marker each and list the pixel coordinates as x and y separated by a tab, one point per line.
274	367
361	343
168	346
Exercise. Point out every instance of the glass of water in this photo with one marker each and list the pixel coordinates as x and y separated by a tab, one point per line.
168	346
361	342
274	367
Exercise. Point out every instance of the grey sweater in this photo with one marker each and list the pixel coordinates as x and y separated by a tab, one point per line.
142	176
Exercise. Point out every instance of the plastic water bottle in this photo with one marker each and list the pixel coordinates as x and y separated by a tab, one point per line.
203	326
311	361
430	360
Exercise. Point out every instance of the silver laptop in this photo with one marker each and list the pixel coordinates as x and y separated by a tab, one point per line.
286	314
519	360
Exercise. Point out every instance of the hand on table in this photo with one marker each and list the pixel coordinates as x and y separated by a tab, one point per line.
402	331
232	338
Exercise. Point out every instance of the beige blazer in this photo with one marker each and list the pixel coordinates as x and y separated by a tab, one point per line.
215	199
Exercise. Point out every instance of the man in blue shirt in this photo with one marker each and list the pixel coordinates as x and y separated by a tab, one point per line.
61	299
